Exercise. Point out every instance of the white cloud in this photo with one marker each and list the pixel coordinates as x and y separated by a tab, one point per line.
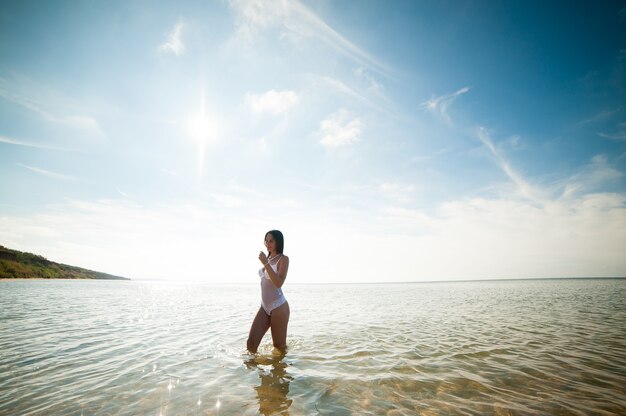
495	238
524	188
391	187
48	104
441	105
399	192
81	123
476	238
340	130
253	15
618	135
499	237
227	200
174	43
128	239
355	96
373	85
15	142
273	102
50	174
599	117
296	21
399	220
169	172
591	177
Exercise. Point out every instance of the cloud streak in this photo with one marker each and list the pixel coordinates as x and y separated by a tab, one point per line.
590	178
619	135
174	43
50	174
441	105
354	95
272	102
487	238
8	140
523	187
296	21
599	117
27	94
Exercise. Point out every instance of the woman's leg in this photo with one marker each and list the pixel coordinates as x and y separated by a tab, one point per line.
259	327
279	321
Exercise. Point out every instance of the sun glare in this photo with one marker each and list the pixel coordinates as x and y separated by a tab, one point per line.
202	129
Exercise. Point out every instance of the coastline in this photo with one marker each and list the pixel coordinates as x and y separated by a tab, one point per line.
16	264
26	279
23	279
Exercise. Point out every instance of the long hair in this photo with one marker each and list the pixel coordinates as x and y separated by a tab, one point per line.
280	240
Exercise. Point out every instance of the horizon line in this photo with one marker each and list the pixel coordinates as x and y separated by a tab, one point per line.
394	282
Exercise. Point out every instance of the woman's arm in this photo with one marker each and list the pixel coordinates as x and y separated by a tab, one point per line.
278	278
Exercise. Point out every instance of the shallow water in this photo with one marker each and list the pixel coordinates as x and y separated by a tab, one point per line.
505	347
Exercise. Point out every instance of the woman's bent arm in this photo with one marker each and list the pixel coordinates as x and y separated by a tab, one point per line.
278	278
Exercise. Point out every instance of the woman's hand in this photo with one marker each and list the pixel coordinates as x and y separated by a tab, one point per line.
263	258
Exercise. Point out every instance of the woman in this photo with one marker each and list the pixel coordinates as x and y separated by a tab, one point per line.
274	310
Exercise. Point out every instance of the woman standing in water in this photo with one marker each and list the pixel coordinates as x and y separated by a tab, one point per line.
274	310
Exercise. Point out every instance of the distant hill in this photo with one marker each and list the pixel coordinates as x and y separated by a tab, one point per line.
18	265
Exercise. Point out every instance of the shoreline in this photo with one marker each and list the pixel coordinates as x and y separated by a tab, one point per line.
24	279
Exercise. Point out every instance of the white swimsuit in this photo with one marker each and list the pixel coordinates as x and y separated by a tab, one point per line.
271	296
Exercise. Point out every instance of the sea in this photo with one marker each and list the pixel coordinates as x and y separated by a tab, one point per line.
510	347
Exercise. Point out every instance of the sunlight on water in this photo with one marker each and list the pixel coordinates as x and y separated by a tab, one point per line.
510	347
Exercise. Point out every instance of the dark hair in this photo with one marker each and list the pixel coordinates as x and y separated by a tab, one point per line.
280	240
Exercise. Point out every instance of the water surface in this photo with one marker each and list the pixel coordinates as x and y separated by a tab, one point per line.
501	347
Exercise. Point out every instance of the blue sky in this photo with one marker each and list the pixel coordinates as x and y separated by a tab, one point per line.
389	141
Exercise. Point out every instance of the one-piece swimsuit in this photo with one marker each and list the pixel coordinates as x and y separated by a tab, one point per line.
271	296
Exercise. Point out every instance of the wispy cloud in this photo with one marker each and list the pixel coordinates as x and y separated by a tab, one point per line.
339	130
394	187
169	172
420	158
28	94
50	174
273	102
441	105
296	21
558	239
618	135
167	241
591	178
174	43
374	86
351	93
122	193
165	237
395	191
227	200
523	187
8	140
600	116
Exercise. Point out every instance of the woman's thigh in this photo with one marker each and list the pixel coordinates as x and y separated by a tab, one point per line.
279	321
259	327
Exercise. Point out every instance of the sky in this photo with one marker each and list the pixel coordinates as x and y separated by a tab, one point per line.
389	141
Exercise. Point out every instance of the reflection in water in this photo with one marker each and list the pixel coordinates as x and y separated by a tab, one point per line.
274	387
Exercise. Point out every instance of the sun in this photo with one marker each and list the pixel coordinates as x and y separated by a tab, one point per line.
202	128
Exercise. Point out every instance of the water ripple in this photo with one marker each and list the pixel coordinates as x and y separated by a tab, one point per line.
502	348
